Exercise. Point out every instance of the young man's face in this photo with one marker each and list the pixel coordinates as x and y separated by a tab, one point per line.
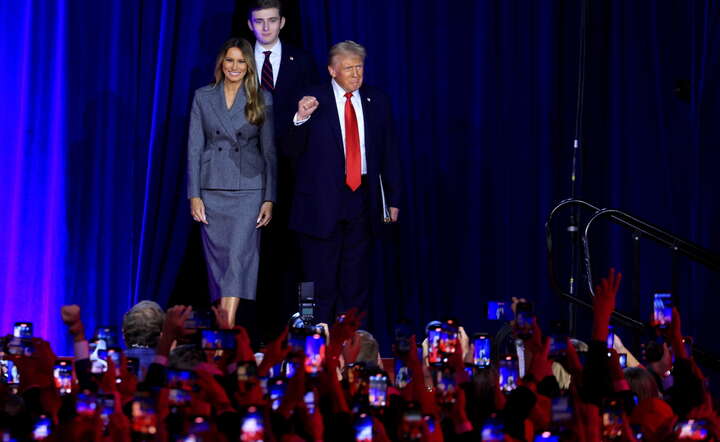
266	25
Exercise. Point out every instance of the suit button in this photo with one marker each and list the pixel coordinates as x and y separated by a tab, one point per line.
217	132
237	150
239	134
220	149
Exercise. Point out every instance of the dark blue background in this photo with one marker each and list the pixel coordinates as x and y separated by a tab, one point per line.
94	108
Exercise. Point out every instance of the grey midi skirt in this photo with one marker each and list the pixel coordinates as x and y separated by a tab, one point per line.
231	242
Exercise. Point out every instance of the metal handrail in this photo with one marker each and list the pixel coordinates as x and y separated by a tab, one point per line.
618	317
691	250
640	228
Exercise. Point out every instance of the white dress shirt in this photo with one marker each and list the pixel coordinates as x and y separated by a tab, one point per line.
357	104
275	57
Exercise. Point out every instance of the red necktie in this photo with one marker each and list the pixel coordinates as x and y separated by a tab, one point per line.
352	146
267	73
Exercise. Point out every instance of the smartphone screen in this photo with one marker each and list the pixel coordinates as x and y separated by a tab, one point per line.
561	409
662	309
508	371
402	339
623	360
246	371
492	430
20	346
109	335
251	426
433	340
524	315
41	429
115	354
449	338
402	374
547	436
199	319
181	379
9	373
691	429
144	416
612	423
98	356
310	401
276	391
85	404
23	330
445	385
363	428
63	374
611	336
558	347
106	403
377	393
496	310
217	339
133	366
481	351
315	353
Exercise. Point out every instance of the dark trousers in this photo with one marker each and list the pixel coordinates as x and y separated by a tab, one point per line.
338	265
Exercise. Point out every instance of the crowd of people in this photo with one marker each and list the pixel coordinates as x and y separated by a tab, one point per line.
188	377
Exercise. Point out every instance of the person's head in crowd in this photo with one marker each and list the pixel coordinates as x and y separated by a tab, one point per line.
186	357
265	20
346	64
142	325
362	347
642	383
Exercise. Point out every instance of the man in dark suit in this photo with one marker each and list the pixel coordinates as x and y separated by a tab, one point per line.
284	71
344	144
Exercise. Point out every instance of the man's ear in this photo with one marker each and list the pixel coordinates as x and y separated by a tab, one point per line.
250	25
282	22
331	70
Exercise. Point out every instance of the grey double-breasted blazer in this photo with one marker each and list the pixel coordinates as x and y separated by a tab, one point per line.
225	151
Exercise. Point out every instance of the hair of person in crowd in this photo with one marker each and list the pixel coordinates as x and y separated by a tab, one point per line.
142	324
642	383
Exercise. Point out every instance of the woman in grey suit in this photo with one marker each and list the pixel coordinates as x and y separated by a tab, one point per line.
232	172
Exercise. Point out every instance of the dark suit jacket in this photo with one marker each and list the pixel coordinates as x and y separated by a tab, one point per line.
297	72
318	148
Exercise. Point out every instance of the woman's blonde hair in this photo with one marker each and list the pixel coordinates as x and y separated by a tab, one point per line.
255	106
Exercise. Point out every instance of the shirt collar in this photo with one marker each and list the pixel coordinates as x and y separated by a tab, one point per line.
340	92
277	49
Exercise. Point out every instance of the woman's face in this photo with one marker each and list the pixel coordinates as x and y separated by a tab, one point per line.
234	65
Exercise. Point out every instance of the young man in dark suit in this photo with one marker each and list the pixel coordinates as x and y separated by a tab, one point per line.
344	144
284	71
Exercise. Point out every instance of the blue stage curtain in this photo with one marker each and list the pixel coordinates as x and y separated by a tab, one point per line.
95	103
484	94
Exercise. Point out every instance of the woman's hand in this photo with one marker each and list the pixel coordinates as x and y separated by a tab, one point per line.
197	209
265	214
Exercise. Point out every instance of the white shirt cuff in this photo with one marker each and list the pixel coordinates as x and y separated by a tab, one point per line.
297	121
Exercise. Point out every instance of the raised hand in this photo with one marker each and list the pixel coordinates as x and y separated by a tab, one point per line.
306	106
604	304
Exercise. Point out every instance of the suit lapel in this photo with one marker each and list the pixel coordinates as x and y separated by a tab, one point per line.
366	102
334	118
286	67
223	115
